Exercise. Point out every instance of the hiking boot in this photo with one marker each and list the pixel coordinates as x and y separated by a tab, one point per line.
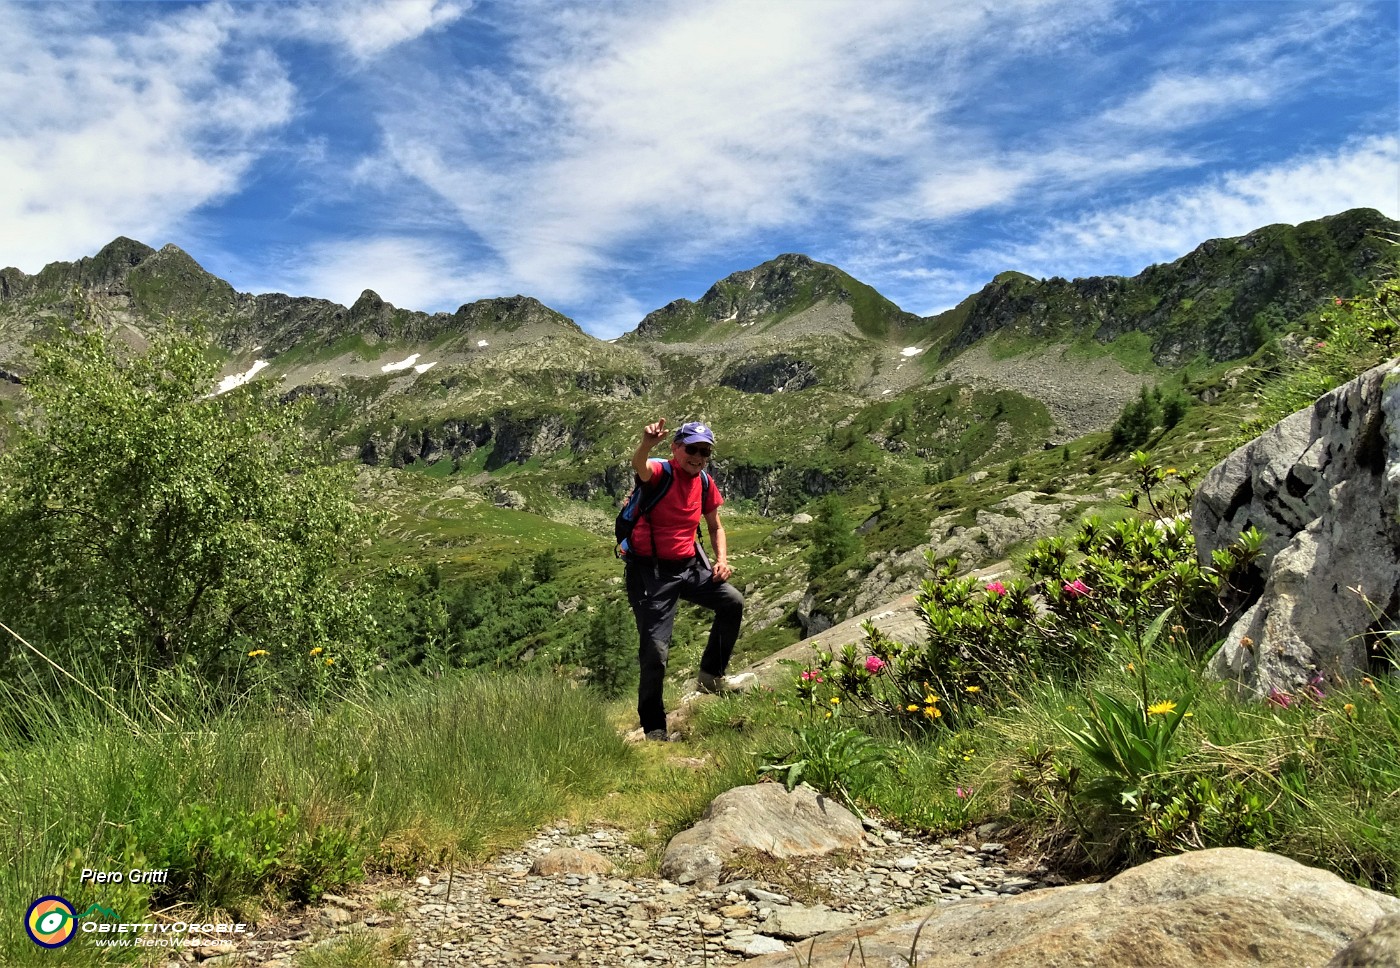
719	685
659	735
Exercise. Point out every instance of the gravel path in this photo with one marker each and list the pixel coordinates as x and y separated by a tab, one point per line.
501	914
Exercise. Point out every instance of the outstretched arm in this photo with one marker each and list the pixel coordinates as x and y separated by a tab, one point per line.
651	436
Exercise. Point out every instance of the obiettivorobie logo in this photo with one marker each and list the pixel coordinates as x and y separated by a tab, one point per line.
52	923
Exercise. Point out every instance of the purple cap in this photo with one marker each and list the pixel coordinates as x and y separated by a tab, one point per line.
695	432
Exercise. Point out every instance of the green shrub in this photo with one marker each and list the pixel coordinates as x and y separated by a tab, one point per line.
216	857
839	761
985	641
151	526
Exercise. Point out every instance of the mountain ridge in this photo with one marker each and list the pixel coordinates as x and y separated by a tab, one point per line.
824	382
754	304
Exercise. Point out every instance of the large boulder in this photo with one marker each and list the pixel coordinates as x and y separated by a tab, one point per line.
1377	948
1324	487
1224	908
765	818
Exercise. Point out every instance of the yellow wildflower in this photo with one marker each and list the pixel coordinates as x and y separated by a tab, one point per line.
913	707
973	689
1161	708
1349	709
257	652
316	651
330	662
1170	470
932	712
836	700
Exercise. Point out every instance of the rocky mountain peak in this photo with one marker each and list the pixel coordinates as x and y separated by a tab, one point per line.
507	314
758	298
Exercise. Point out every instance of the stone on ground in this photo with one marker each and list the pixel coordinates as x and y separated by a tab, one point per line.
570	860
1377	948
1228	908
765	818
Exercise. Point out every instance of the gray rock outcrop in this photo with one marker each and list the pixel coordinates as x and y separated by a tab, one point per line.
1377	948
1225	908
765	818
1324	487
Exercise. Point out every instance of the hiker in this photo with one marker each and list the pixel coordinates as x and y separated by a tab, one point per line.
666	562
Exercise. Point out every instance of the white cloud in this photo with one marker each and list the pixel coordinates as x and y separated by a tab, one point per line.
1178	101
1164	227
687	127
367	28
122	134
1239	64
410	273
126	125
1002	182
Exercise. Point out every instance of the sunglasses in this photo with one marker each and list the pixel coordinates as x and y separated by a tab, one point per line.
692	450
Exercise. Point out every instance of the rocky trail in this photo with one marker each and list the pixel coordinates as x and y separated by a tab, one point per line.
565	897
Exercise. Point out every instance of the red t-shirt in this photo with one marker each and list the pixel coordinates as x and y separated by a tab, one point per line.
675	517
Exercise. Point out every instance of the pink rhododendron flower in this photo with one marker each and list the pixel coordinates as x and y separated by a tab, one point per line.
964	793
996	588
1077	588
874	664
811	675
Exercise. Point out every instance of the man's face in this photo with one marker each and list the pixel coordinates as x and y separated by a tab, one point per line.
690	457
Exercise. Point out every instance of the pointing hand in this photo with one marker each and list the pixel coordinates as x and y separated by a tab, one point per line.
654	432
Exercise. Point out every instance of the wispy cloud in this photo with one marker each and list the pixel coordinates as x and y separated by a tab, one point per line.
125	133
1240	64
412	273
367	28
928	275
686	127
128	129
1166	226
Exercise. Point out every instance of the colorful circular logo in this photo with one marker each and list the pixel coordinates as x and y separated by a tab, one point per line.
50	922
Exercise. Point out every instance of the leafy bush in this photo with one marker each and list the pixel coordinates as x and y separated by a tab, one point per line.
157	526
984	642
839	761
219	859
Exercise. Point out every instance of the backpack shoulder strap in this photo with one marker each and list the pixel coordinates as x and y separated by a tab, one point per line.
706	492
650	500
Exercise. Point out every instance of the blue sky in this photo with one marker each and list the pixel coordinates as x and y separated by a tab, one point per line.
608	157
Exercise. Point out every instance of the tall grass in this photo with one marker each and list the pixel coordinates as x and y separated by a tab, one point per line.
253	804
